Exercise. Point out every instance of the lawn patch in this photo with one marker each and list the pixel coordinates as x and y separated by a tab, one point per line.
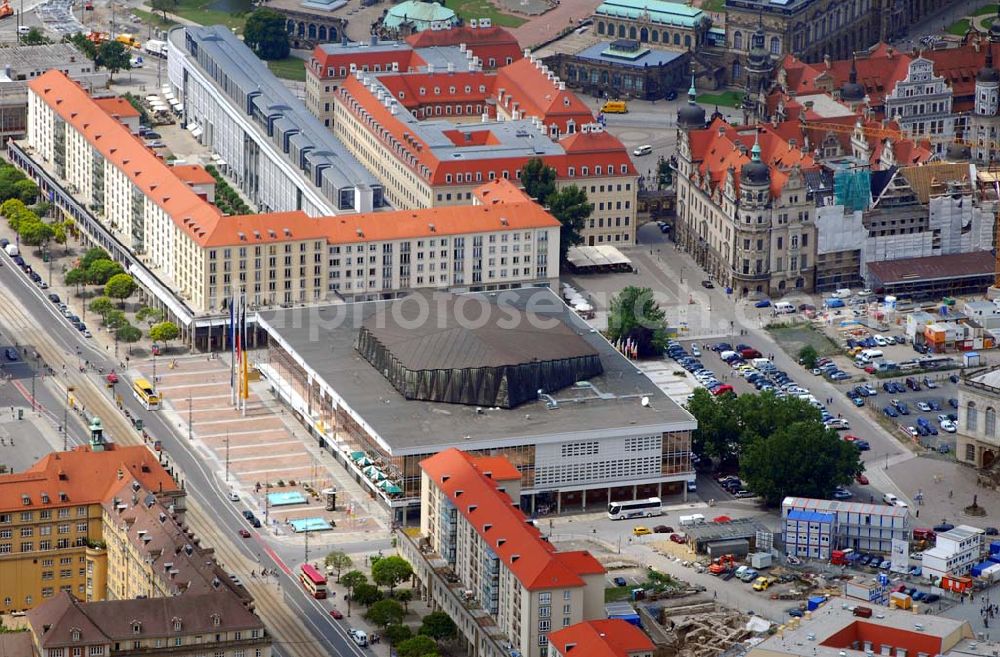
290	68
726	99
231	13
959	28
793	337
467	9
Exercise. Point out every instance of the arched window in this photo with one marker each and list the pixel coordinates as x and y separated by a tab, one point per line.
991	421
687	40
643	35
775	46
738	40
737	71
656	36
632	33
971	417
677	39
621	31
600	27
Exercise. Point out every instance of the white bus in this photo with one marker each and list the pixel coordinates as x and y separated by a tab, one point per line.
635	509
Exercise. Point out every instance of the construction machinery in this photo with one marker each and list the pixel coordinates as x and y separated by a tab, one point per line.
722	564
762	583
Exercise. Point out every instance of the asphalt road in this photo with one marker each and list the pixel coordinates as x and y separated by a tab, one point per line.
200	483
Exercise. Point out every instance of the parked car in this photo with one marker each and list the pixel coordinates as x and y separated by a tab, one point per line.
707	284
861	479
639	530
619	581
244	533
763	303
890	411
841	493
677	538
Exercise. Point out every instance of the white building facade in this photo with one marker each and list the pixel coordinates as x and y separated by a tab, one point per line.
955	552
921	104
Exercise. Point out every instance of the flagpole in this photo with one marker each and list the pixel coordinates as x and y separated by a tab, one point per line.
232	347
246	358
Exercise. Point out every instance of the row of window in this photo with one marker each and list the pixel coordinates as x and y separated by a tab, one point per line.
44	514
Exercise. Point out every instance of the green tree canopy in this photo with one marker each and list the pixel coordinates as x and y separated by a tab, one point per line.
385	612
164	332
803	459
538	179
265	33
26	190
352	578
34	231
808	356
114	56
149	315
338	560
11	207
101	271
76	277
417	646
35	37
102	305
366	594
128	333
163	6
390	571
404	596
93	255
439	626
571	207
83	44
115	318
120	286
634	314
59	232
397	633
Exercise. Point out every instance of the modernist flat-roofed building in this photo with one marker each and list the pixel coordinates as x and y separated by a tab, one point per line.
159	222
185	626
280	156
611	637
20	64
858	526
469	520
585	440
423	135
623	68
413	16
833	631
955	552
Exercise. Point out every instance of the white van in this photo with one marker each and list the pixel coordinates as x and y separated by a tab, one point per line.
726	355
842	293
694	519
645	149
784	308
360	637
871	354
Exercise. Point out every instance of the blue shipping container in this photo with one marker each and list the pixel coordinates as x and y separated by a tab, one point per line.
978	569
995	558
995	547
814	602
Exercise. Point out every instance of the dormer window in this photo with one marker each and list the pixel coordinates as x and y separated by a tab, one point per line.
136	627
74	634
216	620
177	625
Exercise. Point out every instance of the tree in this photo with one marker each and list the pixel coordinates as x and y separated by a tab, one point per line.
11	207
397	633
164	332
93	255
151	316
83	44
804	459
59	233
35	232
26	190
128	333
539	180
352	579
101	271
76	277
634	314
571	207
390	571
384	613
338	561
120	286
114	56
163	6
808	356
34	37
439	626
366	594
265	33
114	319
417	646
102	306
404	596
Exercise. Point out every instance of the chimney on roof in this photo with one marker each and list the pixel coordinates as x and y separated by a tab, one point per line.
562	86
451	67
889	52
527	52
826	61
461	47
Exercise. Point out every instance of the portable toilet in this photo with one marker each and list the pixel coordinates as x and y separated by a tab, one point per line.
971	359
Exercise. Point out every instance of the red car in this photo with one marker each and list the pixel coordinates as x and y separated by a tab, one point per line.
336	613
677	538
245	533
862	479
112	378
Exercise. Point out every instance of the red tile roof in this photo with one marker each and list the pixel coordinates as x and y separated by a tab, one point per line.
117	107
326	65
589	149
518	544
418	89
959	67
717	148
500	191
168	187
497	468
878	71
540	95
86	477
600	638
193	174
484	42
